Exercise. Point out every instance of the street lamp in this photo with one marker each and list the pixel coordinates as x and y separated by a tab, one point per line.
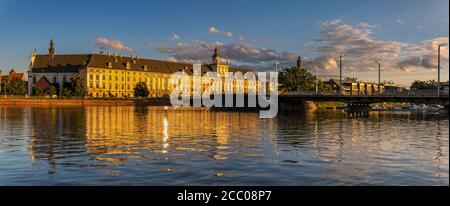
439	69
317	79
0	82
340	74
379	77
276	66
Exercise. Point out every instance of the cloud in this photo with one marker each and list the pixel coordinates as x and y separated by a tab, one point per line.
213	30
361	49
175	37
400	21
240	53
104	42
356	42
423	55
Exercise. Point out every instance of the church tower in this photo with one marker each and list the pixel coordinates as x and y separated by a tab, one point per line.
217	63
51	49
216	57
299	63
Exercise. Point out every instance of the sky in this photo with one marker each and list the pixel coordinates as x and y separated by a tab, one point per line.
401	34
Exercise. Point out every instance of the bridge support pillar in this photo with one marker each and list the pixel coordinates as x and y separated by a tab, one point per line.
297	106
357	110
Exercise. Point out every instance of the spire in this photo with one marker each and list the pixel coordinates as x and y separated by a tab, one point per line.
216	52
51	49
299	62
216	56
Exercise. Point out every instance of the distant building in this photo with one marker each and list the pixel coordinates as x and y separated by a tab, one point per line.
391	89
444	88
116	75
352	87
13	74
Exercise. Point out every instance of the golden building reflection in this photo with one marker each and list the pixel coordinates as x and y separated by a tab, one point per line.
119	133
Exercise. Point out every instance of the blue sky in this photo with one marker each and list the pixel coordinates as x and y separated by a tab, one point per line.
278	30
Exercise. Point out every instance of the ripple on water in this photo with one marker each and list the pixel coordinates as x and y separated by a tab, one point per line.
152	146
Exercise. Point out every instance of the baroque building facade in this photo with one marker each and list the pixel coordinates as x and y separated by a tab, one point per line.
113	75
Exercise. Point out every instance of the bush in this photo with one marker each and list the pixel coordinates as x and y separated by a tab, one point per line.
141	90
14	86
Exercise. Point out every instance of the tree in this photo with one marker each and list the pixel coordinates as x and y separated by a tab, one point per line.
77	86
15	86
67	92
295	80
351	79
424	85
388	82
141	90
51	90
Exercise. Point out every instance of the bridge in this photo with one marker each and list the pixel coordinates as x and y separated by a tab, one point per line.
355	101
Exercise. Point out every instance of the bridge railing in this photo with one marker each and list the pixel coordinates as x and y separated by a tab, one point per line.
385	94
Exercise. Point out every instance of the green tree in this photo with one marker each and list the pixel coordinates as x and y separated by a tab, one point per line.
296	80
51	90
77	86
424	85
38	92
15	86
141	90
67	92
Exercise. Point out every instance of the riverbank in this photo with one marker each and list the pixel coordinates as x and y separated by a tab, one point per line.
84	102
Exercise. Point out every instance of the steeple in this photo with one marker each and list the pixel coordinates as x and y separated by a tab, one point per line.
216	56
51	49
299	63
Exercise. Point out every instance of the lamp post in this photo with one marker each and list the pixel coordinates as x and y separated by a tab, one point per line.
317	79
340	74
0	82
439	69
276	66
379	77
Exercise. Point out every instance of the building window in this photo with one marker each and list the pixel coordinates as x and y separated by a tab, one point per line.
34	80
64	79
109	65
54	80
128	65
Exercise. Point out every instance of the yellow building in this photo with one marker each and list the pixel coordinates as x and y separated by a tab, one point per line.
114	75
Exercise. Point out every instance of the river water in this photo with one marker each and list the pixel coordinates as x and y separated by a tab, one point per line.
103	145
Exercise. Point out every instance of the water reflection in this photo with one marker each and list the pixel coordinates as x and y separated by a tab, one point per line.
157	145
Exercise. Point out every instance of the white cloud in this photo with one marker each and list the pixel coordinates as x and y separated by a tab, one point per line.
361	49
214	30
175	37
104	42
355	42
240	53
400	21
